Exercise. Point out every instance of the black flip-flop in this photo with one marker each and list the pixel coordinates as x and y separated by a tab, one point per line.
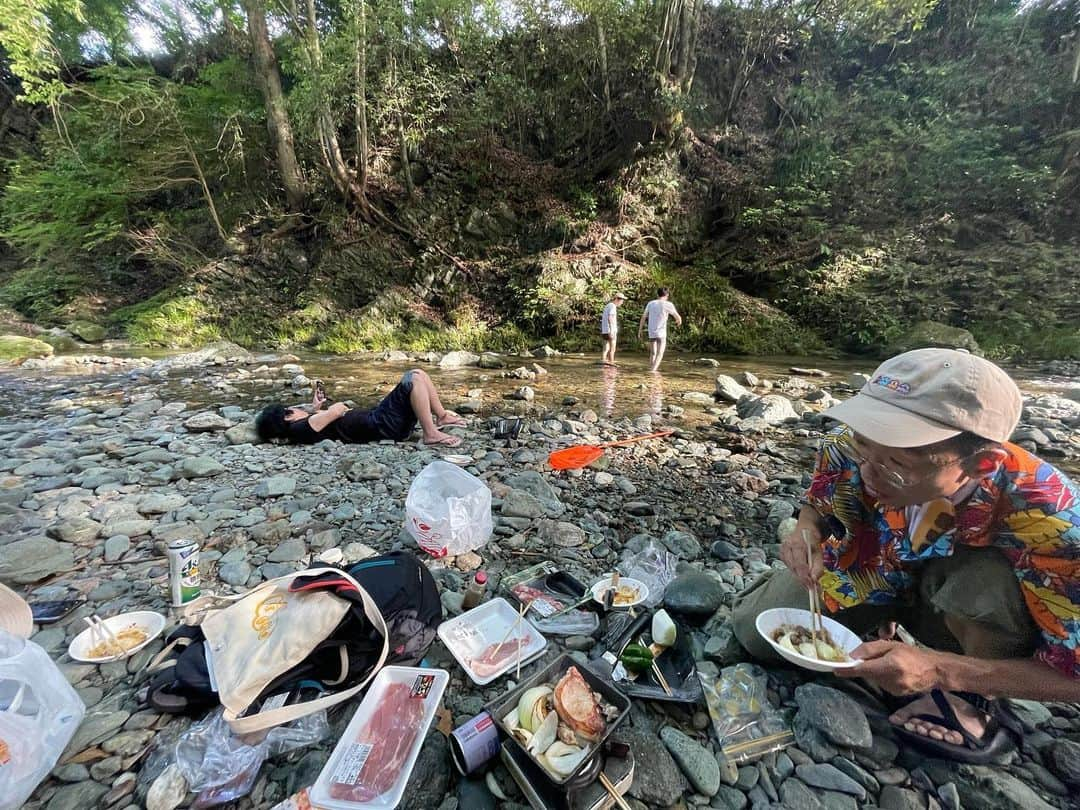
995	741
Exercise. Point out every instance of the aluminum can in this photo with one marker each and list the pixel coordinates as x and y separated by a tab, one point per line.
183	571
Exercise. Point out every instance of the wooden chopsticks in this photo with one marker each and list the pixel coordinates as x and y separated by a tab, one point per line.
656	671
610	788
816	624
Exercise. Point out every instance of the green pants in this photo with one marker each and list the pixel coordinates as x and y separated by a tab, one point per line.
968	603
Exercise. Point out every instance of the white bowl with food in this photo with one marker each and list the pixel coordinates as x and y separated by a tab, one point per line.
788	631
629	592
133	631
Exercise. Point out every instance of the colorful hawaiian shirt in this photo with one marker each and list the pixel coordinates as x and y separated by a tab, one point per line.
1028	509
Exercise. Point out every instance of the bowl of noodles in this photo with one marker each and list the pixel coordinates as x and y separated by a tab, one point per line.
133	631
788	631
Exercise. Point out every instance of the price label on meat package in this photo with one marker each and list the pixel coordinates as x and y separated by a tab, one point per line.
422	686
352	763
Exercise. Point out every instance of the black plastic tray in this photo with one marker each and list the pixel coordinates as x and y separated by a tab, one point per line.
550	674
676	663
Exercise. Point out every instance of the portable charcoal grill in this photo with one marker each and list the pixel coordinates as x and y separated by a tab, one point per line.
582	790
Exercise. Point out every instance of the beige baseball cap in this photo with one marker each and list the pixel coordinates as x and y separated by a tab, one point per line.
618	295
929	395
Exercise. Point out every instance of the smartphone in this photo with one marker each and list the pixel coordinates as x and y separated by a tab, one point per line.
320	390
54	611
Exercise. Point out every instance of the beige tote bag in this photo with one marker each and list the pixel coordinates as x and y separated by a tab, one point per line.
269	631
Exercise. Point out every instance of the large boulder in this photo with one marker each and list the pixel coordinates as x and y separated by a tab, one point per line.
771	408
459	359
926	334
727	390
87	332
14	348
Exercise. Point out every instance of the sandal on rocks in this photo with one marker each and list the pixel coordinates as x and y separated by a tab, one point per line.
995	740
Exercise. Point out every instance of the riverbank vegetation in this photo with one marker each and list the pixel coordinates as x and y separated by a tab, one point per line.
442	174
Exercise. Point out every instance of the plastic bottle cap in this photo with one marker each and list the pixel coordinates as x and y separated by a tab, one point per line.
481	578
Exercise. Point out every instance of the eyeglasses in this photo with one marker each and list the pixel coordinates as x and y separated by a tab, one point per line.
895	478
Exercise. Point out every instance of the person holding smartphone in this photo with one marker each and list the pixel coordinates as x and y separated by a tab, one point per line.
413	400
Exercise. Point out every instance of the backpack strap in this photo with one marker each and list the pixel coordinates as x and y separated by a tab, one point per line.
275	717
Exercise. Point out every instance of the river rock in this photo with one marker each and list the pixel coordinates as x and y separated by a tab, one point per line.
206	422
985	786
897	798
1064	757
828	777
244	433
14	348
519	503
159	503
725	551
659	783
291	550
77	530
695	595
532	482
697	763
772	409
199	467
77	796
96	727
836	715
727	390
682	544
275	486
431	776
26	561
857	380
116	547
524	393
796	795
1030	713
560	533
459	359
235	573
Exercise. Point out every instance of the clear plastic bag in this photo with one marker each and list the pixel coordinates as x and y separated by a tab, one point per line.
39	712
653	565
571	623
221	767
746	724
448	510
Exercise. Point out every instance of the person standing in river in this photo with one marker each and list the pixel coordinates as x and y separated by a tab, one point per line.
655	317
414	399
609	328
921	510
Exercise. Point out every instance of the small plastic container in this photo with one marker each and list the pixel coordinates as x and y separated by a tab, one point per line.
347	782
481	629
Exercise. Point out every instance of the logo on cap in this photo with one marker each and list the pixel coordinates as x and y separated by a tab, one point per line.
893	384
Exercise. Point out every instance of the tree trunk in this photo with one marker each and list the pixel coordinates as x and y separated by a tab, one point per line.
360	84
277	117
328	139
605	77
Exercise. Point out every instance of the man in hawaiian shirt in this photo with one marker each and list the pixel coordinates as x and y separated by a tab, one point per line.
922	512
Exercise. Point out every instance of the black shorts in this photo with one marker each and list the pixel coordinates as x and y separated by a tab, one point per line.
394	417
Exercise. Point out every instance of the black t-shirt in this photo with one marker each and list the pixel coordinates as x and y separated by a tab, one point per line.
354	427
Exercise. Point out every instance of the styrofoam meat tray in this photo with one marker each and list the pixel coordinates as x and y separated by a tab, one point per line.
481	629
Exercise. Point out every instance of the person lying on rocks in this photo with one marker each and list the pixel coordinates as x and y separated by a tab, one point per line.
922	512
414	399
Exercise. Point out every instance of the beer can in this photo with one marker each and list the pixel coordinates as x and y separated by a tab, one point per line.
183	571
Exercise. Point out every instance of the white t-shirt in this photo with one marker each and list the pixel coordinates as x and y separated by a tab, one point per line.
658	311
609	321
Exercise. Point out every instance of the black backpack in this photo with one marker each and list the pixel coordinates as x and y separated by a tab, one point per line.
399	584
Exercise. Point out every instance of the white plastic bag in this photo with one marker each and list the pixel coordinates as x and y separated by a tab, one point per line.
39	712
448	511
